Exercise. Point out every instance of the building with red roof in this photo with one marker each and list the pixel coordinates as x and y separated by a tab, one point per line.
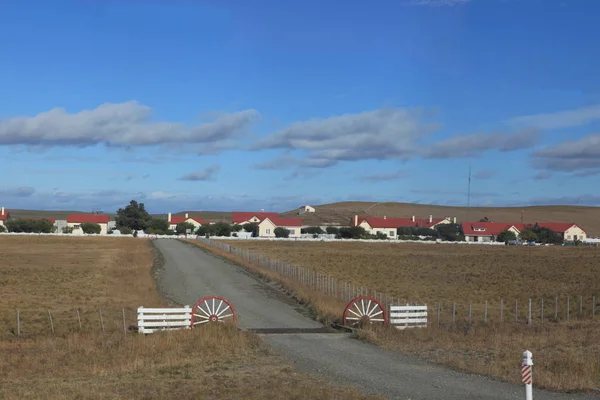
570	232
389	226
174	220
266	227
75	220
245	217
488	231
3	216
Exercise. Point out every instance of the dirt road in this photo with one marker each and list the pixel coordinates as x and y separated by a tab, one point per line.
191	273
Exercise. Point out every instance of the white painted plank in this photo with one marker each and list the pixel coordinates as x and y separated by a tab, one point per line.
410	326
408	308
148	324
146	330
408	314
408	321
158	317
142	310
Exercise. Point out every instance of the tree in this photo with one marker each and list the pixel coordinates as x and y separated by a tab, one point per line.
251	227
528	235
281	232
158	226
312	230
237	227
182	227
449	232
205	230
406	231
506	236
125	231
2	229
546	235
354	232
484	219
90	227
332	230
427	232
67	229
222	229
30	225
134	216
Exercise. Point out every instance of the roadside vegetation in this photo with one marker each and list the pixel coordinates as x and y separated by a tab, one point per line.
41	273
567	353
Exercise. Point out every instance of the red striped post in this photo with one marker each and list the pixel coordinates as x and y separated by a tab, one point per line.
527	374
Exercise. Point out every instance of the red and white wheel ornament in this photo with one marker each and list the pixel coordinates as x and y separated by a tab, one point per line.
213	309
364	309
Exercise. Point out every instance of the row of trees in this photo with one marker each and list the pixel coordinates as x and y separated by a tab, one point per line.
535	234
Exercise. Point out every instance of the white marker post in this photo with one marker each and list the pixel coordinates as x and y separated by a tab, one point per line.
527	375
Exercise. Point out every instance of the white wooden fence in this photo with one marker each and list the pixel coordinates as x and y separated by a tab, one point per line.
160	319
403	317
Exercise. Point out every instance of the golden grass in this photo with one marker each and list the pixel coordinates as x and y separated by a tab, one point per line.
214	362
566	354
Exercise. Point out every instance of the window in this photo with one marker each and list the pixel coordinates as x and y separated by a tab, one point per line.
392	233
292	231
75	226
268	231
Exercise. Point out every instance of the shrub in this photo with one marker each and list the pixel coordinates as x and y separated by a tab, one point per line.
67	229
406	231
182	227
91	228
332	230
158	226
170	232
221	229
251	227
30	226
354	232
506	236
281	232
381	236
135	233
2	229
125	230
313	230
236	227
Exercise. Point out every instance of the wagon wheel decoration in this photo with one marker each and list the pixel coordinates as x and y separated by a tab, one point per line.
363	310
213	309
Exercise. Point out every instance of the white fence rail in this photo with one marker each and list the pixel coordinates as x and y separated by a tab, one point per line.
403	317
159	319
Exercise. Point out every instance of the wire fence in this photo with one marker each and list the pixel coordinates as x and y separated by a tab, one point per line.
23	323
523	310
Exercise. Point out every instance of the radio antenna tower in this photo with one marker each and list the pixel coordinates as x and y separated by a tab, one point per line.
469	194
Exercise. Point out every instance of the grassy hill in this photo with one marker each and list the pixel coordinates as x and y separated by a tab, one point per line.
340	213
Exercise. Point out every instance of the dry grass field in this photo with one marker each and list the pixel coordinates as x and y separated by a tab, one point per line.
567	354
60	274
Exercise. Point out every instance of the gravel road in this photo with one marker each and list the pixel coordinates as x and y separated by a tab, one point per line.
190	273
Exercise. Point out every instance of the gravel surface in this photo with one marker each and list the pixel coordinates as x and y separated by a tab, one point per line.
190	273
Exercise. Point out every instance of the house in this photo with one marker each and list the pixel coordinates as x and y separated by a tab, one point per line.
174	220
3	217
266	227
244	217
488	231
570	232
306	209
75	220
389	226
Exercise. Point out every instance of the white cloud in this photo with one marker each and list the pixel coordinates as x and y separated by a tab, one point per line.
204	175
122	124
385	176
580	154
560	119
379	134
473	145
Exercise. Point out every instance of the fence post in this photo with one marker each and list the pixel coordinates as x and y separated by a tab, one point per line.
470	313
501	309
542	311
527	374
485	313
568	306
516	310
124	327
79	318
438	315
594	307
580	306
51	323
556	308
101	320
529	312
453	313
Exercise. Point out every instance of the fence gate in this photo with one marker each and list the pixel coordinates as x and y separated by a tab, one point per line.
403	317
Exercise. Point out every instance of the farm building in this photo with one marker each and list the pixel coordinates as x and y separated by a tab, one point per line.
488	231
266	227
306	209
75	220
389	226
3	216
569	231
244	217
174	220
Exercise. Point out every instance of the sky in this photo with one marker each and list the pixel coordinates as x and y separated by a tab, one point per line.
243	105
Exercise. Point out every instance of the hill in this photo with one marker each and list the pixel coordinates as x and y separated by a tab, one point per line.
340	213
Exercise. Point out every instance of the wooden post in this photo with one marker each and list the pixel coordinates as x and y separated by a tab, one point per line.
124	326
542	310
51	323
79	318
516	311
18	323
568	306
501	309
529	312
593	306
101	320
485	313
470	313
556	308
438	315
580	306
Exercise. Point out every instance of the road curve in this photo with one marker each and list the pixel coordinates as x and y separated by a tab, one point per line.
191	273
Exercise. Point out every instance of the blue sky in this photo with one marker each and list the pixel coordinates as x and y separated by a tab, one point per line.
271	104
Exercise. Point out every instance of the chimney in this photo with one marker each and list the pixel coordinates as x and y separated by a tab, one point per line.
413	218
169	217
355	220
430	218
454	220
262	210
2	211
384	217
186	215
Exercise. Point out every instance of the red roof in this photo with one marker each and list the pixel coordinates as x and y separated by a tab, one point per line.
486	228
277	221
178	220
4	217
376	222
93	218
238	217
558	227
